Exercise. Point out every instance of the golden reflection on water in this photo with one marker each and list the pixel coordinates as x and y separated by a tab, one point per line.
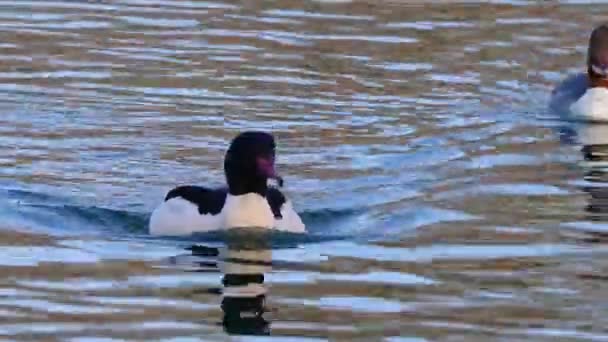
471	221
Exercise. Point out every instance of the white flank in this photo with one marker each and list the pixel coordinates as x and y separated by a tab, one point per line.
592	106
291	221
178	216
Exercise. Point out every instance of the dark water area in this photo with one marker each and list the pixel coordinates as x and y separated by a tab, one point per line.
444	201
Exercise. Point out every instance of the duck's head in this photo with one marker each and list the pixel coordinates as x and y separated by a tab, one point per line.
250	162
597	57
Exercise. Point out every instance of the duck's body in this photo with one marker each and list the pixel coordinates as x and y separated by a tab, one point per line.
575	99
584	97
592	106
192	209
247	202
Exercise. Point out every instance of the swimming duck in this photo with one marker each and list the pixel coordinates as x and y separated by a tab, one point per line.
585	96
247	201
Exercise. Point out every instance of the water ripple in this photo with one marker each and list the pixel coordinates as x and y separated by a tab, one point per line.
414	141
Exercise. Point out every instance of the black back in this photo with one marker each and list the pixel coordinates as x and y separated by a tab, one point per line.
211	201
567	92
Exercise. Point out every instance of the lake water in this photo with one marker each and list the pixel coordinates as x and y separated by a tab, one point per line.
444	202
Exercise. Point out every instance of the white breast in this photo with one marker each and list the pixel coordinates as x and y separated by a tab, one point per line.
592	106
249	210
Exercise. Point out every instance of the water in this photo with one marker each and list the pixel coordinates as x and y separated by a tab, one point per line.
444	203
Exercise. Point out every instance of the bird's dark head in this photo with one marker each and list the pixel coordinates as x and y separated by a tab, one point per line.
597	57
250	162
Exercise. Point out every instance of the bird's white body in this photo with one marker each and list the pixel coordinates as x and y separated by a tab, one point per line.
178	216
592	106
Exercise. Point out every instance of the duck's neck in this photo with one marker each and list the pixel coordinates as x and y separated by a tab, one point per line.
260	190
257	185
596	81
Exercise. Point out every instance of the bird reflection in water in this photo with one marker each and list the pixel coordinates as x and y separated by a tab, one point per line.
243	291
594	141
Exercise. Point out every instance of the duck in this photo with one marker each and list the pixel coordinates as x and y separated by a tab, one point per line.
247	201
584	96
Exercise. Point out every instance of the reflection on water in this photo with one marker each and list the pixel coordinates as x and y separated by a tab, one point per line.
243	292
594	158
444	201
